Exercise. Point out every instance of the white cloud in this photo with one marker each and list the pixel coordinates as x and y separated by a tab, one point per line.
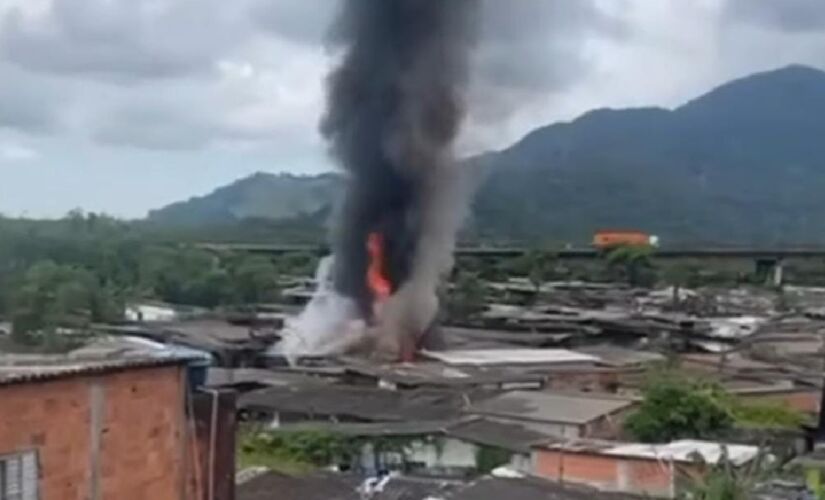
114	82
16	152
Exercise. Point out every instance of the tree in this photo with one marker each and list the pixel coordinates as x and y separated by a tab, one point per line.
53	295
254	279
723	480
677	276
185	276
466	297
541	266
674	408
633	259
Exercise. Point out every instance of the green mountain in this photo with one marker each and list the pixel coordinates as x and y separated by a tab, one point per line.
744	163
259	196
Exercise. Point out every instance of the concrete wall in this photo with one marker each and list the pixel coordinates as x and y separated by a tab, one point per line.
118	436
445	455
150	313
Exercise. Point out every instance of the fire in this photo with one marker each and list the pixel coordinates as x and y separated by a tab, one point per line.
379	284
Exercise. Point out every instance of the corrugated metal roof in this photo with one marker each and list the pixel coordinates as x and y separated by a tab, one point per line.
540	406
478	357
507	436
51	369
685	450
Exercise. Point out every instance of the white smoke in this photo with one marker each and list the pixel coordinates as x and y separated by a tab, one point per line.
329	324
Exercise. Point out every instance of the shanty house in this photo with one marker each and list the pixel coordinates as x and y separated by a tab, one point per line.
565	415
657	470
127	428
458	449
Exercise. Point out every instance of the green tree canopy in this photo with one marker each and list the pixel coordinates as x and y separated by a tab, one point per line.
675	408
633	259
53	295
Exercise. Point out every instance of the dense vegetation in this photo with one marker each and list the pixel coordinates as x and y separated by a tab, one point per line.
677	406
741	164
81	269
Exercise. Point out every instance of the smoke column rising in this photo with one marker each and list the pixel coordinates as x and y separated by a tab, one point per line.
394	108
395	104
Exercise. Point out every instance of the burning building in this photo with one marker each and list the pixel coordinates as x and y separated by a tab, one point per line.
395	104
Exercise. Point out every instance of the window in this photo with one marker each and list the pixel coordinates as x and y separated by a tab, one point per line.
18	476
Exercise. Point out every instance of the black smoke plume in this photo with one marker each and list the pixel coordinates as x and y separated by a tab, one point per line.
394	108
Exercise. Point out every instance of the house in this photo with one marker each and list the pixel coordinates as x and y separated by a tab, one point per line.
530	488
566	415
434	448
431	375
511	439
657	470
512	357
82	428
326	485
231	345
249	379
151	312
280	406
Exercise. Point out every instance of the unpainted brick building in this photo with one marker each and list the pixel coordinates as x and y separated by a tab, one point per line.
119	430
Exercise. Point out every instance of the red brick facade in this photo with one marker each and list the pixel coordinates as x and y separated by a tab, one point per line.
806	401
633	475
109	436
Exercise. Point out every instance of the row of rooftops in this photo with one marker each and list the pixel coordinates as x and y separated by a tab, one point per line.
457	368
101	355
259	485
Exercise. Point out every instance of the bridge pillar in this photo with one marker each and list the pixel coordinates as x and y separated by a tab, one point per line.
778	271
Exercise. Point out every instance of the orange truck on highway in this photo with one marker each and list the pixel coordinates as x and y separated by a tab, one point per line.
611	238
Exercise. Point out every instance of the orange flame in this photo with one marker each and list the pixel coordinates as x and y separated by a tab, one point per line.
378	283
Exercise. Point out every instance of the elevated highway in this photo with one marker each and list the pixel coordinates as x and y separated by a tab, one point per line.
756	253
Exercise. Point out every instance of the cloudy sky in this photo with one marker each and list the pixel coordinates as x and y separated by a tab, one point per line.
126	105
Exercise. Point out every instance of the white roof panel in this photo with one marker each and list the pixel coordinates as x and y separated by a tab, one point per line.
684	451
478	357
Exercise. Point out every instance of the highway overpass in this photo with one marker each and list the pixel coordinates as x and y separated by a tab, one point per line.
756	253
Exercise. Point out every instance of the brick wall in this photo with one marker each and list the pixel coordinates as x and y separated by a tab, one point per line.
118	436
607	473
806	401
582	468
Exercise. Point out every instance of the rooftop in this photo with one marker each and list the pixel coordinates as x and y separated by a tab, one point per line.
538	406
621	357
507	436
237	377
356	402
373	429
481	357
101	355
216	336
496	488
51	368
328	486
438	374
686	450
